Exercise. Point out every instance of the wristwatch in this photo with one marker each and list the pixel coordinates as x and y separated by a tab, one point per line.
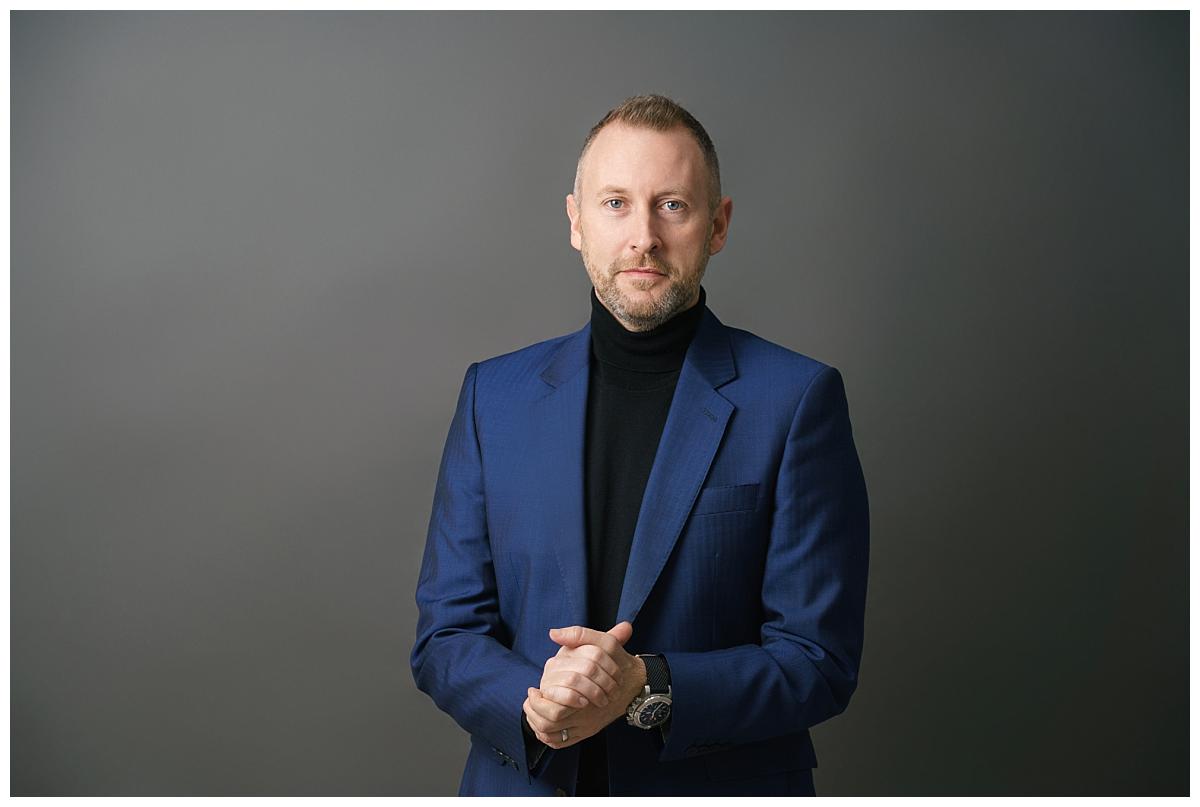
652	707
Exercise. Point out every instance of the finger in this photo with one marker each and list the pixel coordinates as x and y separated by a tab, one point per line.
552	740
572	679
552	711
576	703
559	694
577	635
543	730
596	672
597	656
592	661
558	671
583	660
622	631
536	722
573	699
539	723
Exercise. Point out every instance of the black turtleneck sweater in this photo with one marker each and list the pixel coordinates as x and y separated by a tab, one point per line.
631	382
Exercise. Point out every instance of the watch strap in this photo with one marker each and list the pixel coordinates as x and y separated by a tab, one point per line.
658	674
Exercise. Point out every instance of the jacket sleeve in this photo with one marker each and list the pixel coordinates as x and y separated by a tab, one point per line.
462	657
805	666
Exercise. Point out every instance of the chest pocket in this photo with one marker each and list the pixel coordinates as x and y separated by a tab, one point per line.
726	499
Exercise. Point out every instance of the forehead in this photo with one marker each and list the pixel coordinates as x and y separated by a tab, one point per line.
643	159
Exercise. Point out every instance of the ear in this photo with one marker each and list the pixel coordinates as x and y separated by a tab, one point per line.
720	225
573	215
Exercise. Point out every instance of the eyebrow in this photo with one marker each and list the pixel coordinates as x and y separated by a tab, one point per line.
607	189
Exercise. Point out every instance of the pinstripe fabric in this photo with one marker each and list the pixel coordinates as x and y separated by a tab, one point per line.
748	569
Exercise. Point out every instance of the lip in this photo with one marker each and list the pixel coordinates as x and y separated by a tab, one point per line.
641	270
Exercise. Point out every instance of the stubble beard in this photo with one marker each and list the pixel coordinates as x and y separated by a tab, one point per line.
681	290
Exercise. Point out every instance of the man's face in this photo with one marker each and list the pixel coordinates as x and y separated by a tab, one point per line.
642	222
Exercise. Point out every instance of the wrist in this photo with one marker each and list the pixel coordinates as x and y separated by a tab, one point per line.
637	682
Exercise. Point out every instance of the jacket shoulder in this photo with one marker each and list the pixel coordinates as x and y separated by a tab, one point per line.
758	357
519	366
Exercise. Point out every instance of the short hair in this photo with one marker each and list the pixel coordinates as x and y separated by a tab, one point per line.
661	114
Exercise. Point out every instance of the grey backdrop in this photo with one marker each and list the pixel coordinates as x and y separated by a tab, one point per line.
253	254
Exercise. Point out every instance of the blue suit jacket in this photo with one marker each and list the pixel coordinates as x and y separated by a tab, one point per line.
748	568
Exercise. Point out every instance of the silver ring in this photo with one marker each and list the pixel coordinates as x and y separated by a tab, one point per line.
564	735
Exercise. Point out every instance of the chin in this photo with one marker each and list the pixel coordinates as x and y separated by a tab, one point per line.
643	287
638	299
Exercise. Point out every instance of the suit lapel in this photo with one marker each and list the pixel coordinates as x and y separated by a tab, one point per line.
558	440
692	434
695	426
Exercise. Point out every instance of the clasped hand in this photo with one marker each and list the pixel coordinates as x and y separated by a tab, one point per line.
588	684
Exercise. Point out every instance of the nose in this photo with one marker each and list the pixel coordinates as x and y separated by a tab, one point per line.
645	237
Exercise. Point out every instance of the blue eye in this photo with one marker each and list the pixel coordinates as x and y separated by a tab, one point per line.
674	202
609	205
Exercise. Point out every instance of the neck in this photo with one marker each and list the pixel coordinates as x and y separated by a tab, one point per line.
658	349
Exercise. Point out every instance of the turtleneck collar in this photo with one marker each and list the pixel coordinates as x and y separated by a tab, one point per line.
658	350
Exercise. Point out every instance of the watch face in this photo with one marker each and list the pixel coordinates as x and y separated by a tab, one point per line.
654	712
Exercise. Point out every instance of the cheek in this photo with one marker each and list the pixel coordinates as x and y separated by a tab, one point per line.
692	237
603	238
602	251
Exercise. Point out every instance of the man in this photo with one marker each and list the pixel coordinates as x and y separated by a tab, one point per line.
646	566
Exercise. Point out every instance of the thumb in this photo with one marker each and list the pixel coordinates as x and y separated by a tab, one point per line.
622	631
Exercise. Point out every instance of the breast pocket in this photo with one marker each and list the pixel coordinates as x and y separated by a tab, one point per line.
726	499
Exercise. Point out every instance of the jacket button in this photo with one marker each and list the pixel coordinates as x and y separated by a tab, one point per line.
558	791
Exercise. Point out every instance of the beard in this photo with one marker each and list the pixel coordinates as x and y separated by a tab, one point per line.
643	313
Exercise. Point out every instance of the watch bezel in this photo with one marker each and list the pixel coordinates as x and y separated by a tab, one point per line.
634	713
647	703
